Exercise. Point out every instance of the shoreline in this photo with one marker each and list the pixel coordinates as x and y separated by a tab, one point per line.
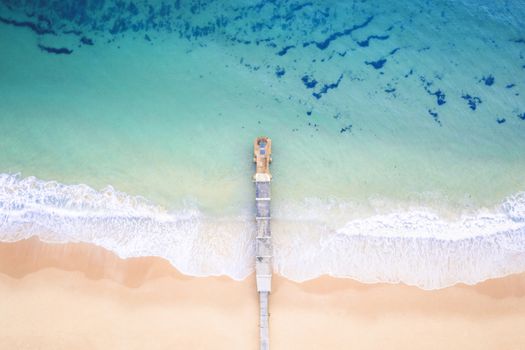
97	262
96	300
417	247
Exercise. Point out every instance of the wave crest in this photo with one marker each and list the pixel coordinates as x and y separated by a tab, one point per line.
416	247
128	225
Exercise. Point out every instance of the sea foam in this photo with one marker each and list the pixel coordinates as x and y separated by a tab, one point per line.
416	247
128	225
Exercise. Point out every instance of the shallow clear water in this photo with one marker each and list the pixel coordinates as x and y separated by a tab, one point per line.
398	133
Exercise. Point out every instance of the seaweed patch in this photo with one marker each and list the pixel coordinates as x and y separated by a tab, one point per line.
279	71
300	6
434	116
393	52
381	62
56	50
366	42
309	82
327	87
33	26
347	128
472	101
284	50
86	41
377	64
325	43
488	80
440	95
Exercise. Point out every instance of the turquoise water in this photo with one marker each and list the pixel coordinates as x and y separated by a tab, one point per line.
398	133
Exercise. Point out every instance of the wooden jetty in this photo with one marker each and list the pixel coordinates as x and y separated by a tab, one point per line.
262	157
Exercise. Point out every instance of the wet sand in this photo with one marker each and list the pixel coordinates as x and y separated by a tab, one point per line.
64	296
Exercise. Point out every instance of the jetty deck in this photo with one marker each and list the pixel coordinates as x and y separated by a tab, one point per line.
262	148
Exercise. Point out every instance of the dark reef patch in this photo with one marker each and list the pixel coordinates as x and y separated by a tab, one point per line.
393	52
377	64
440	95
244	42
366	42
501	120
510	86
521	116
326	42
488	80
284	50
314	125
86	41
381	62
309	82
327	87
390	90
347	128
298	7
473	101
73	31
56	50
279	71
26	24
434	116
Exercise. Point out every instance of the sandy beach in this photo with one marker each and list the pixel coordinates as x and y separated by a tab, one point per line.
64	296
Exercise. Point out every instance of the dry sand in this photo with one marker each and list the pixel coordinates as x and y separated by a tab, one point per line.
78	296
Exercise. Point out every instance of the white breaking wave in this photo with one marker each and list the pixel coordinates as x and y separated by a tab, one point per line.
128	225
415	247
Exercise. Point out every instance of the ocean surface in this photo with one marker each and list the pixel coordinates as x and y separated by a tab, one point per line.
398	133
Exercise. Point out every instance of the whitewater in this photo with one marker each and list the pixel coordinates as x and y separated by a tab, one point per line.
415	247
